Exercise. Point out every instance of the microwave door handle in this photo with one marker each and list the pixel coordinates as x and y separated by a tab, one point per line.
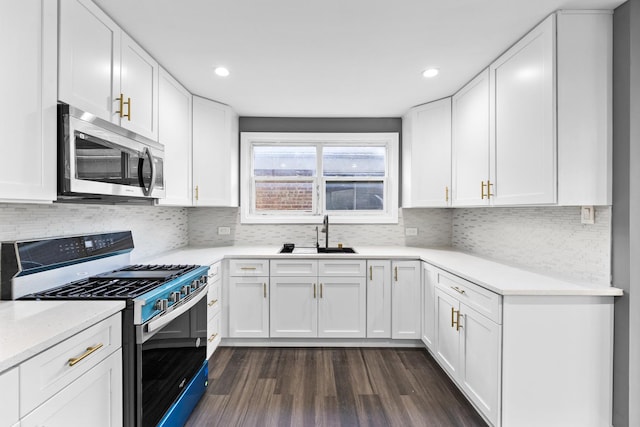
146	153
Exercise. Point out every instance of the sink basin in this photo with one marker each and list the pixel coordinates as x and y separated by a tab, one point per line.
336	251
300	250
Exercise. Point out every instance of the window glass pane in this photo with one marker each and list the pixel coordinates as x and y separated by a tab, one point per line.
284	161
353	161
354	195
284	196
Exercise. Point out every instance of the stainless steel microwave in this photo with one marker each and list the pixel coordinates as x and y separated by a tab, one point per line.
102	162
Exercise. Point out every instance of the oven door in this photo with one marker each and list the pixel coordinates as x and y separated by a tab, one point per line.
171	363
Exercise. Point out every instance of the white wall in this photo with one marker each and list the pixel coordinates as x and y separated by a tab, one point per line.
155	229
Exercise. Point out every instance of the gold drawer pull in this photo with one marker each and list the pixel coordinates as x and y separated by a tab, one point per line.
212	302
90	350
247	268
212	337
458	290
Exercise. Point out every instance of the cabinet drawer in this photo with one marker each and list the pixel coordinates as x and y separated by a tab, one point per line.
248	267
50	371
213	300
9	406
294	267
213	334
480	299
342	267
215	272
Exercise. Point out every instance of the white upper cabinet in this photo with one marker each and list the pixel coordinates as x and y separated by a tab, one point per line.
523	142
215	154
28	128
470	143
175	135
104	72
426	155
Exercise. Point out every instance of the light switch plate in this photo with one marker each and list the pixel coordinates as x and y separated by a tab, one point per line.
587	215
224	230
411	231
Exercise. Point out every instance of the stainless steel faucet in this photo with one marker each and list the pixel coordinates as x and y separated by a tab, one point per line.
325	229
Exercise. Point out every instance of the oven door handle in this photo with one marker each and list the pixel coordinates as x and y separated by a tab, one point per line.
156	324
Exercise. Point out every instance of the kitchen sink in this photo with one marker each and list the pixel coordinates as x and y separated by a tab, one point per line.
336	251
300	250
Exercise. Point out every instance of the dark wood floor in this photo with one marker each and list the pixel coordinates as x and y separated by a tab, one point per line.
330	387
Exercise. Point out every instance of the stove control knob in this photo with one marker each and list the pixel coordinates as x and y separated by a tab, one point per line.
203	280
161	304
185	290
174	297
195	284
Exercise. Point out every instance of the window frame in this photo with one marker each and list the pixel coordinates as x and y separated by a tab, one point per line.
389	213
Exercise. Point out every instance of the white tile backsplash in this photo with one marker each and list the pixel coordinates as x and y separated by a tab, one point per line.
550	240
434	229
155	229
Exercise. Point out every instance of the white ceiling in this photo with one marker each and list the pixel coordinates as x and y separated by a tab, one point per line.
329	58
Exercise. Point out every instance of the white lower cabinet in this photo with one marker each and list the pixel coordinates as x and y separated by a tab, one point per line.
405	300
342	307
294	307
9	397
93	399
378	299
428	302
249	307
214	304
248	293
76	382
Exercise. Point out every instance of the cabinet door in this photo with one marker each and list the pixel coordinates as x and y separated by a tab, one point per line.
94	399
470	142
480	348
213	334
342	307
215	154
447	336
174	132
294	307
428	305
89	59
379	299
248	307
523	131
426	156
28	127
405	300
139	86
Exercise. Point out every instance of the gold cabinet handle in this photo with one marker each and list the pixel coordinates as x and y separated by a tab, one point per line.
395	273
458	290
264	289
197	192
446	193
128	115
120	110
212	337
212	302
370	272
482	195
89	350
247	268
314	290
489	193
455	319
453	314
458	325
320	290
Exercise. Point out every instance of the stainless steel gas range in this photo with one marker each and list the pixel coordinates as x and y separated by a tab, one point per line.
163	325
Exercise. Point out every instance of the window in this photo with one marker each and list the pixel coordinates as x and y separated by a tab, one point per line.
300	177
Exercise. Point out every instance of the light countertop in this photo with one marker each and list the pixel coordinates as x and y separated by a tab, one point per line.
29	327
497	277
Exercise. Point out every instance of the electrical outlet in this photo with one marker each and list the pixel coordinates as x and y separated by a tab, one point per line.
222	231
411	231
587	215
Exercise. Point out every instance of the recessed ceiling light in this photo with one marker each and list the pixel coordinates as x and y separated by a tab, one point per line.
430	72
221	71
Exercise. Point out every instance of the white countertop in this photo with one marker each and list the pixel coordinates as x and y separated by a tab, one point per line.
497	277
29	327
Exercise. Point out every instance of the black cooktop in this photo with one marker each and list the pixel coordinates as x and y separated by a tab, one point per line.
126	283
